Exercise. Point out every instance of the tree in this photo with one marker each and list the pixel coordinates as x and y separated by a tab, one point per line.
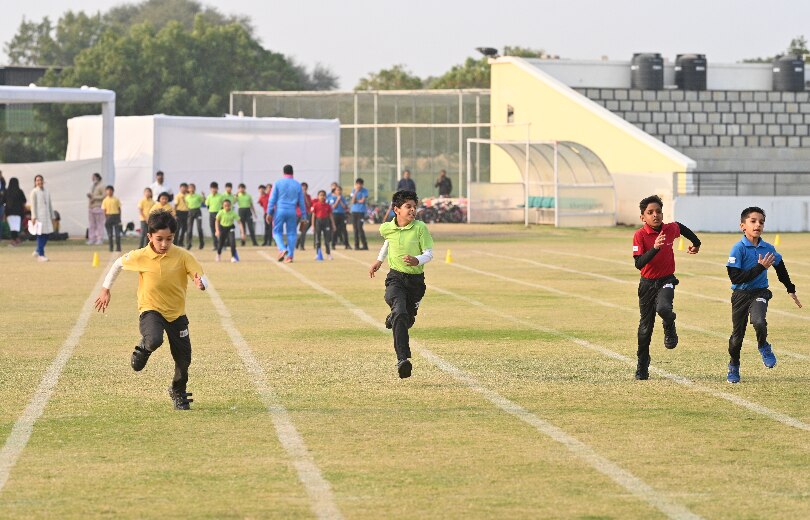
158	13
473	73
395	78
524	52
42	44
797	47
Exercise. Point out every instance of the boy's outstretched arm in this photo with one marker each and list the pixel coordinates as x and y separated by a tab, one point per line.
200	281
103	300
692	237
784	277
380	258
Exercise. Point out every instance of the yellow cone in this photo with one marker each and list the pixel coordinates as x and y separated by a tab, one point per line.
448	259
95	259
681	246
777	241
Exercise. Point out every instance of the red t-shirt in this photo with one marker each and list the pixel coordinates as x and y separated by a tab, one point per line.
307	203
663	263
264	200
321	209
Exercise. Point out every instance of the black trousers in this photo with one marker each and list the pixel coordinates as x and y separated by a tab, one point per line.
745	304
227	234
302	233
246	217
212	221
194	215
144	231
268	232
323	226
152	325
359	234
655	296
113	225
340	233
403	293
182	226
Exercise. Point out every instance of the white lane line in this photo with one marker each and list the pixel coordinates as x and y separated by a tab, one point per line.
320	492
24	427
681	324
582	451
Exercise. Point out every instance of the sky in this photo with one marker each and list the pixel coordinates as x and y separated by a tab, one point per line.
356	37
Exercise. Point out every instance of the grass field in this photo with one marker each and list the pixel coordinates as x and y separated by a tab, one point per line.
522	403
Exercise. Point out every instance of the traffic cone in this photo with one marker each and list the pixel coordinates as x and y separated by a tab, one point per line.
777	241
448	258
681	246
319	256
95	259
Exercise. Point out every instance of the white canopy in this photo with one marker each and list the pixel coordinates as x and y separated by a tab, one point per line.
205	149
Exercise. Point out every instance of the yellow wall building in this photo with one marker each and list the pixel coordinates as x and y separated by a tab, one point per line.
640	164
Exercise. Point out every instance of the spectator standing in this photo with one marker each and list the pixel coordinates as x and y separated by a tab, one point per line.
264	199
95	215
304	218
286	197
359	198
444	184
406	183
2	194
14	200
194	202
163	204
324	224
340	208
214	202
112	211
247	213
158	187
41	216
144	206
181	211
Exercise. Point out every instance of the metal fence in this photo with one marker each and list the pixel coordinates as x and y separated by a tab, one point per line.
383	132
743	183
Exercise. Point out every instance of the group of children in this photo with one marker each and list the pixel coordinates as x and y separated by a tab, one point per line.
748	263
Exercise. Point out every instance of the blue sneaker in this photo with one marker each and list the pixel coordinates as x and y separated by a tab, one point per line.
733	373
768	358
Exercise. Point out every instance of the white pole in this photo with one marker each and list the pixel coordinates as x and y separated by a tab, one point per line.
526	185
460	139
477	136
556	190
254	106
469	174
108	142
399	150
376	180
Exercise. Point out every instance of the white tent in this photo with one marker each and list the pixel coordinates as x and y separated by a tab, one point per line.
205	149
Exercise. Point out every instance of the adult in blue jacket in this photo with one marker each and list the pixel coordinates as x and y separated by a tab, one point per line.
287	195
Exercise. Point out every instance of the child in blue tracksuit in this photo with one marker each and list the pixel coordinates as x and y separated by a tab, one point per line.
747	268
287	195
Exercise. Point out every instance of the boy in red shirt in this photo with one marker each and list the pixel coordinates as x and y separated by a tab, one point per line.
654	256
264	199
324	223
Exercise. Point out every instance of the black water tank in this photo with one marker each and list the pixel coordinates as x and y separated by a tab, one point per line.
647	71
788	74
690	71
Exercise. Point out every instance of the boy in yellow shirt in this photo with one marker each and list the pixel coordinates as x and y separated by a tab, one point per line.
112	211
163	273
144	206
181	212
163	204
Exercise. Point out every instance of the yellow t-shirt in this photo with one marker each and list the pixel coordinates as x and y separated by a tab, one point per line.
144	206
163	279
111	206
160	207
180	202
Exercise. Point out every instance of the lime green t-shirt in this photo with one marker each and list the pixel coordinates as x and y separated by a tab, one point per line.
244	200
227	218
231	197
214	202
412	240
194	200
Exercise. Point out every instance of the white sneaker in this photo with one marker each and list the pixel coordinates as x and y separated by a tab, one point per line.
218	257
329	257
234	260
42	259
90	243
35	254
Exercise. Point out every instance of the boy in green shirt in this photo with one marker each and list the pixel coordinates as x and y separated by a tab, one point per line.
214	203
225	230
408	247
247	213
194	202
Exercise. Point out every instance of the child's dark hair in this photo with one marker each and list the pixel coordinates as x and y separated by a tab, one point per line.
110	188
359	181
321	191
261	187
650	200
401	196
162	220
304	184
164	193
214	184
747	211
183	184
242	185
229	185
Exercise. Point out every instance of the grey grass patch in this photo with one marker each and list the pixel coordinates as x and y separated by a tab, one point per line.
317	487
21	431
582	451
750	405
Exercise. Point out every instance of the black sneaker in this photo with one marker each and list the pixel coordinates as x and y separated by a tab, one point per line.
643	369
139	358
670	336
388	323
404	368
180	399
